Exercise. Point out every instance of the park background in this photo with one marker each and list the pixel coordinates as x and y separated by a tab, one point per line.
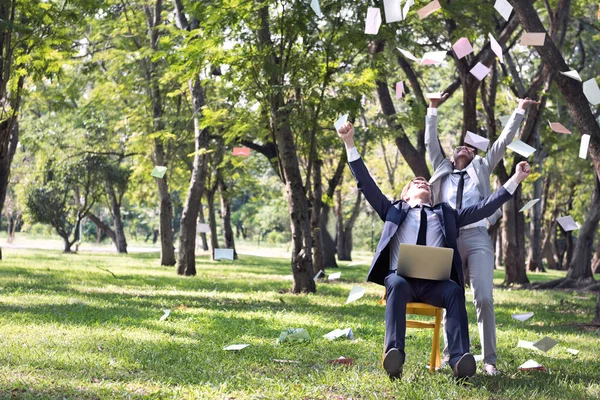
95	94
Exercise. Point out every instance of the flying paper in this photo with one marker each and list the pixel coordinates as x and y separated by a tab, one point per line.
165	315
583	147
523	317
504	8
236	347
567	223
241	151
572	74
319	274
393	13
356	293
545	344
496	48
159	172
462	47
314	4
480	71
434	95
399	89
407	54
429	9
531	365
533	39
477	141
338	333
373	21
223	254
559	128
341	121
433	57
203	228
407	7
521	148
526	345
526	207
591	91
504	119
334	276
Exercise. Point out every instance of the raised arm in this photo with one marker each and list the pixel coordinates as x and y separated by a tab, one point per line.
489	205
432	143
496	152
364	181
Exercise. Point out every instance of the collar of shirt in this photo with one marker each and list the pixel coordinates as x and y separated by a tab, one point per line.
416	204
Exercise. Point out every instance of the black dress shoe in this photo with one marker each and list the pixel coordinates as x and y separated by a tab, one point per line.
393	361
465	367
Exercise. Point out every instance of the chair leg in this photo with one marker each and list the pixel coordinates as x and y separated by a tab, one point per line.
435	354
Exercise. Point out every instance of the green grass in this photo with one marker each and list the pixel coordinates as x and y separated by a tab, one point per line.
69	329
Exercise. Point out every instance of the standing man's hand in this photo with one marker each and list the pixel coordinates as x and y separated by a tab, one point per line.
526	102
522	171
346	133
434	102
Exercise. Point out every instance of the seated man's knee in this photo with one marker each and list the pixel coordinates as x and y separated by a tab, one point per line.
396	283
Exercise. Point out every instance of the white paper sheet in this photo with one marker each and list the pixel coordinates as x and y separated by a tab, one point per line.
504	8
314	4
567	223
356	293
523	317
223	254
393	11
526	207
592	91
373	21
477	141
334	276
496	48
480	71
583	147
572	74
341	121
521	148
235	347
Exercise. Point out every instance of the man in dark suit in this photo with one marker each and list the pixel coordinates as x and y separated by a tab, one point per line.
413	220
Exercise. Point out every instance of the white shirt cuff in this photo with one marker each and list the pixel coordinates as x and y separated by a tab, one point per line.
511	185
352	154
431	111
520	111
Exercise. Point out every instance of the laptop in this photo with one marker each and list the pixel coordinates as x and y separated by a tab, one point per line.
424	262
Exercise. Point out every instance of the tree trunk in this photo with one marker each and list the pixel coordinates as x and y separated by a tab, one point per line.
203	221
548	249
597	316
102	227
596	260
535	244
9	138
329	245
187	234
115	210
579	267
345	229
317	237
514	249
226	218
212	223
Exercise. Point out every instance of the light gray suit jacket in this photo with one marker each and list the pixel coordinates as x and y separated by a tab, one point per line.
480	168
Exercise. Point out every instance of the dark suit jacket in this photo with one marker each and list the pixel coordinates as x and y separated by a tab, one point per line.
393	214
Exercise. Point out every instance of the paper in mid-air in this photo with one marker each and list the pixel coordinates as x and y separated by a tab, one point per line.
567	223
373	21
429	9
526	207
462	47
407	54
559	128
223	254
241	151
203	228
496	48
433	58
399	89
159	171
477	141
480	71
393	11
355	293
406	7
533	39
504	8
504	119
592	91
521	148
314	4
573	74
583	147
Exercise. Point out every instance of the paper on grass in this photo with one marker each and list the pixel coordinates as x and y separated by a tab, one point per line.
241	151
583	147
531	365
526	207
433	58
236	347
429	9
314	4
533	39
373	21
592	91
573	351
159	171
526	345
338	333
545	344
341	121
399	89
521	148
504	8
573	74
393	11
407	54
318	275
356	293
223	254
477	141
523	317
567	223
462	47
480	71
559	128
294	335
496	48
165	315
334	276
203	228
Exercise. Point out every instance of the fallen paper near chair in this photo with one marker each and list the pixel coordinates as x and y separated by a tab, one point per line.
165	315
298	335
235	347
526	345
531	365
572	351
356	293
522	317
338	333
334	276
545	344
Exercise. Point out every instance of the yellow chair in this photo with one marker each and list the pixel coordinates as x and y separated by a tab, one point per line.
435	361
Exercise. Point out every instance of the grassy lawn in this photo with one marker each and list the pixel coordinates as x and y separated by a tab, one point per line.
69	329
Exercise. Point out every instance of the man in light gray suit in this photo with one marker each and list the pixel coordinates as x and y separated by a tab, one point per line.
463	181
